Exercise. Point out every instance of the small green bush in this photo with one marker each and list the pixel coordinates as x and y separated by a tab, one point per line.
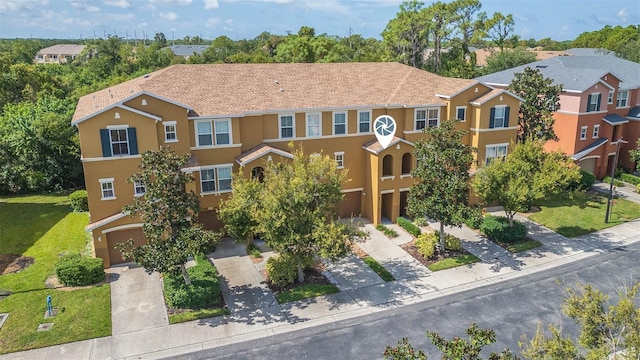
638	188
451	242
390	233
409	226
79	200
426	244
474	218
254	250
497	228
616	182
282	269
77	270
204	289
420	222
631	179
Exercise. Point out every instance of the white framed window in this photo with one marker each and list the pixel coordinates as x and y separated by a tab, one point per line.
314	124
623	96
583	132
170	133
495	151
138	188
596	131
364	121
593	103
461	113
339	122
339	157
108	191
216	179
610	97
210	133
499	117
222	130
204	133
286	125
119	141
426	117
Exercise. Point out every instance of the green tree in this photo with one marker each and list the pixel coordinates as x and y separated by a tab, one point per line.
160	39
543	347
635	155
298	210
527	174
442	192
170	216
238	212
406	35
499	28
541	100
508	59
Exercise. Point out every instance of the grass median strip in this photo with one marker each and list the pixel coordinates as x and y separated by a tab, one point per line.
196	314
454	262
522	246
378	269
305	292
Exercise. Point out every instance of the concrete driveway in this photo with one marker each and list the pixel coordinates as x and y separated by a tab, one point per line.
136	300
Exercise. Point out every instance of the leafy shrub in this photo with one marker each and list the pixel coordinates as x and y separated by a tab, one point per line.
631	179
420	222
390	233
77	270
426	244
638	188
254	251
616	182
282	269
497	228
409	226
474	218
204	289
79	200
451	242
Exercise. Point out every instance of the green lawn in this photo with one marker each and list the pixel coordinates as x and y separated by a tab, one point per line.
454	262
583	213
378	269
305	291
43	227
196	314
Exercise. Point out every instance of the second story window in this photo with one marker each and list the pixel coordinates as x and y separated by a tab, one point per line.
210	133
119	141
497	151
596	131
426	117
170	134
106	186
593	102
461	113
583	132
622	98
138	188
314	125
499	117
216	179
364	121
339	157
610	97
286	126
339	123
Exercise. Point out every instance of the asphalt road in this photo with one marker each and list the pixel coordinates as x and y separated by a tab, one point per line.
512	308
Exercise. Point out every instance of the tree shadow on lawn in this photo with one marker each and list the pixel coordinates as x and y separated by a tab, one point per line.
21	225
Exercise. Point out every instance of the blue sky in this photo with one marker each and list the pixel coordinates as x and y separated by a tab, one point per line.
238	19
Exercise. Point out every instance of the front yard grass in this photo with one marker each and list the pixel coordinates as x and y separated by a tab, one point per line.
305	291
520	246
43	227
453	262
580	214
378	269
197	314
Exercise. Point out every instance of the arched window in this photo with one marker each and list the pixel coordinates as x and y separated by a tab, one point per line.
257	173
387	165
406	163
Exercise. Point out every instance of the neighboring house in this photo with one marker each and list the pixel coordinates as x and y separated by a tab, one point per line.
233	117
186	51
599	104
58	54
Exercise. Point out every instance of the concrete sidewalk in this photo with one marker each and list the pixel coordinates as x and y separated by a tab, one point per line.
626	192
361	292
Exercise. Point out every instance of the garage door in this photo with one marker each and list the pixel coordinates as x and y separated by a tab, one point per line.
116	237
350	205
588	165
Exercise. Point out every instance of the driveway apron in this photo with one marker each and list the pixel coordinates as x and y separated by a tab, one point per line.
136	300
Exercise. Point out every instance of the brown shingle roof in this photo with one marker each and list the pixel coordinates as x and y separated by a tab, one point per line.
259	151
235	89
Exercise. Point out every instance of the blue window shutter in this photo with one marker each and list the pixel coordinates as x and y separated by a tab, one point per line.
133	141
506	116
599	98
106	142
492	118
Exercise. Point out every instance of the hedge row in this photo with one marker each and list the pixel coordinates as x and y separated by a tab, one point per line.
631	179
409	226
77	270
79	200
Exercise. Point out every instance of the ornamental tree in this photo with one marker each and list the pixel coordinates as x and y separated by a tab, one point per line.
170	216
541	99
442	192
238	212
527	174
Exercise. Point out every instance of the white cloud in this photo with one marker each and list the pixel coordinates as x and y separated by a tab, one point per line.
623	15
18	5
171	16
84	6
265	1
171	2
118	3
212	22
565	28
211	4
229	21
328	6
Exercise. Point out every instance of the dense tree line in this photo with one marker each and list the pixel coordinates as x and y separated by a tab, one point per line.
39	150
